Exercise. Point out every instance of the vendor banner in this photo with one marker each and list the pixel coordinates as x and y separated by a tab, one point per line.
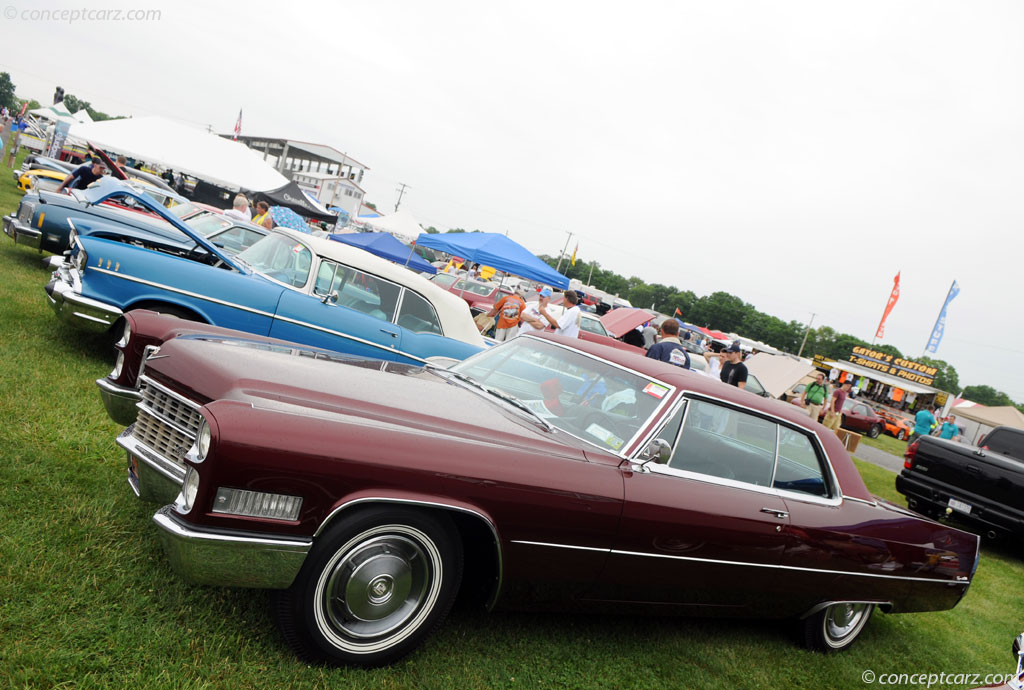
893	297
893	366
940	323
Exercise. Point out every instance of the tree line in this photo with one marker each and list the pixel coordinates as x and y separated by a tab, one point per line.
9	99
721	311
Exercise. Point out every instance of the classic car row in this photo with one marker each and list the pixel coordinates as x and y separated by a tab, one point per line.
368	494
284	284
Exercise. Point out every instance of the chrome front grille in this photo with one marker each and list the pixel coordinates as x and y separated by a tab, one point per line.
167	423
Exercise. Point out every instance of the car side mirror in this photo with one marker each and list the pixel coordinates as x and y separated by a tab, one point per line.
1018	649
331	297
658	451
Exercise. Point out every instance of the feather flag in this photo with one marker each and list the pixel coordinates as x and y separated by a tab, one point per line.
238	126
573	263
940	323
895	295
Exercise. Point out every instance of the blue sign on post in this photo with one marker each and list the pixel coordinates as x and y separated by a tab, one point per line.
940	323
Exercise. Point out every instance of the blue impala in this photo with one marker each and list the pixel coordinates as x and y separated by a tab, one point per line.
287	285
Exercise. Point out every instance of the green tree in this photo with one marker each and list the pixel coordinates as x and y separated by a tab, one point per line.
720	311
986	395
946	379
7	98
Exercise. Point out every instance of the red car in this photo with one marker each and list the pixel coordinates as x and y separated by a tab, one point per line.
860	417
368	494
480	295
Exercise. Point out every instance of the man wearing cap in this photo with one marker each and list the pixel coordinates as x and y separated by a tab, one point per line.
508	309
834	414
531	319
568	324
734	371
83	176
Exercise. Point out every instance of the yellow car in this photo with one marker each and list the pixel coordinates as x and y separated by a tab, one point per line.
40	178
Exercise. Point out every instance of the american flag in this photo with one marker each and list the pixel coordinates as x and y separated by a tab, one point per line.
238	126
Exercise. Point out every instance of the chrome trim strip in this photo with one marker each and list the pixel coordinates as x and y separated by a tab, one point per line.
258	312
744	486
561	546
162	517
716	561
412	501
164	389
860	500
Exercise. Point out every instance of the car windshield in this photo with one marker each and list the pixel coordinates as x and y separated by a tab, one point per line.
281	258
444	279
586	397
474	287
207	223
592	325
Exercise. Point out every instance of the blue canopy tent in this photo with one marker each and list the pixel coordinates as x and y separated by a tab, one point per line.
385	245
496	250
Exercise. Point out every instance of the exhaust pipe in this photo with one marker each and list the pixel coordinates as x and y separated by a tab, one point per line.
991	534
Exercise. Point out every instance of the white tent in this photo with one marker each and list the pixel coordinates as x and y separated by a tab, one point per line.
401	224
184	149
778	373
83	116
55	112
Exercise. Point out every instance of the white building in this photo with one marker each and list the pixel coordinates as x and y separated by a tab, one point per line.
332	190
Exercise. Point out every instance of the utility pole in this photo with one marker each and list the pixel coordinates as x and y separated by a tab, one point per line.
800	354
566	247
591	274
400	193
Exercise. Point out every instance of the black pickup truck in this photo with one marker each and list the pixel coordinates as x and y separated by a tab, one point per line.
982	484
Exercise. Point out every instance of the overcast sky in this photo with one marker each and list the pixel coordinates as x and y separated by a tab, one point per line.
794	154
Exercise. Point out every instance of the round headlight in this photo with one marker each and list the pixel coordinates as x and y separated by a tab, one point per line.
188	491
118	366
202	441
126	335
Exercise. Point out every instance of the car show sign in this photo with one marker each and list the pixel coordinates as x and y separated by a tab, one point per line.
60	134
894	366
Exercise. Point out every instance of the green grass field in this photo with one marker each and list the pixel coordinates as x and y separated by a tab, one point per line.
87	599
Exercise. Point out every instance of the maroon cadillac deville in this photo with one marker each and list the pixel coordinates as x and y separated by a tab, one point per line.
544	472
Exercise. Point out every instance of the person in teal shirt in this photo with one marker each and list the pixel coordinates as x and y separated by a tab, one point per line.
949	428
924	422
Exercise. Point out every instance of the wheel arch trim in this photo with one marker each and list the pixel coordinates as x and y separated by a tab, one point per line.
432	504
883	604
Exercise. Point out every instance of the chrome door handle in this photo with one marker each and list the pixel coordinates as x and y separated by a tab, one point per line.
781	514
391	333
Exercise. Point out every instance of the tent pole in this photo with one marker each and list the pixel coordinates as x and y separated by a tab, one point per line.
411	250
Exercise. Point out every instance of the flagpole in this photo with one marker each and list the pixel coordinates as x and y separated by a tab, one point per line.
938	318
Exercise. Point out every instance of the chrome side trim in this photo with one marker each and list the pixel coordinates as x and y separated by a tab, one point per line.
716	561
860	500
411	501
259	312
562	546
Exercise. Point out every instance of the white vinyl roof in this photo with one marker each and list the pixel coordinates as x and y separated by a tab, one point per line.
452	310
183	149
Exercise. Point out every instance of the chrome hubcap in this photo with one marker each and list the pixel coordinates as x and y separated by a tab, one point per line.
378	583
843	620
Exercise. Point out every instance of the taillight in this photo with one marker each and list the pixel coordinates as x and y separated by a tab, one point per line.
910	455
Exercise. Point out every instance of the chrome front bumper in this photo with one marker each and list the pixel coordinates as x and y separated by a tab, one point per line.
229	559
21	233
73	308
119	401
152	477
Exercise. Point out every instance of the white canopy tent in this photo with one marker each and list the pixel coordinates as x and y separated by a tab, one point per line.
401	224
55	112
183	149
83	116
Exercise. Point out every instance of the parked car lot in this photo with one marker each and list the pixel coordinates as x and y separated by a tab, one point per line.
288	284
860	417
725	502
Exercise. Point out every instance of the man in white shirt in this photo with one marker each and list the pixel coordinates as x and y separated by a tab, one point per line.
240	209
532	321
568	324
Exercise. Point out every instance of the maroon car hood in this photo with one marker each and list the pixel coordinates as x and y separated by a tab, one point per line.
347	390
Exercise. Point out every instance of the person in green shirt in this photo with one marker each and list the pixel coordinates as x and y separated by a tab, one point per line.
815	394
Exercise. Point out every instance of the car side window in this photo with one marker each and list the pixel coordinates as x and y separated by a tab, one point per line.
723	442
862	409
418	315
367	293
799	466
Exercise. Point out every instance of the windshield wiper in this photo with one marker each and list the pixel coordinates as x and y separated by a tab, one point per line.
501	395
